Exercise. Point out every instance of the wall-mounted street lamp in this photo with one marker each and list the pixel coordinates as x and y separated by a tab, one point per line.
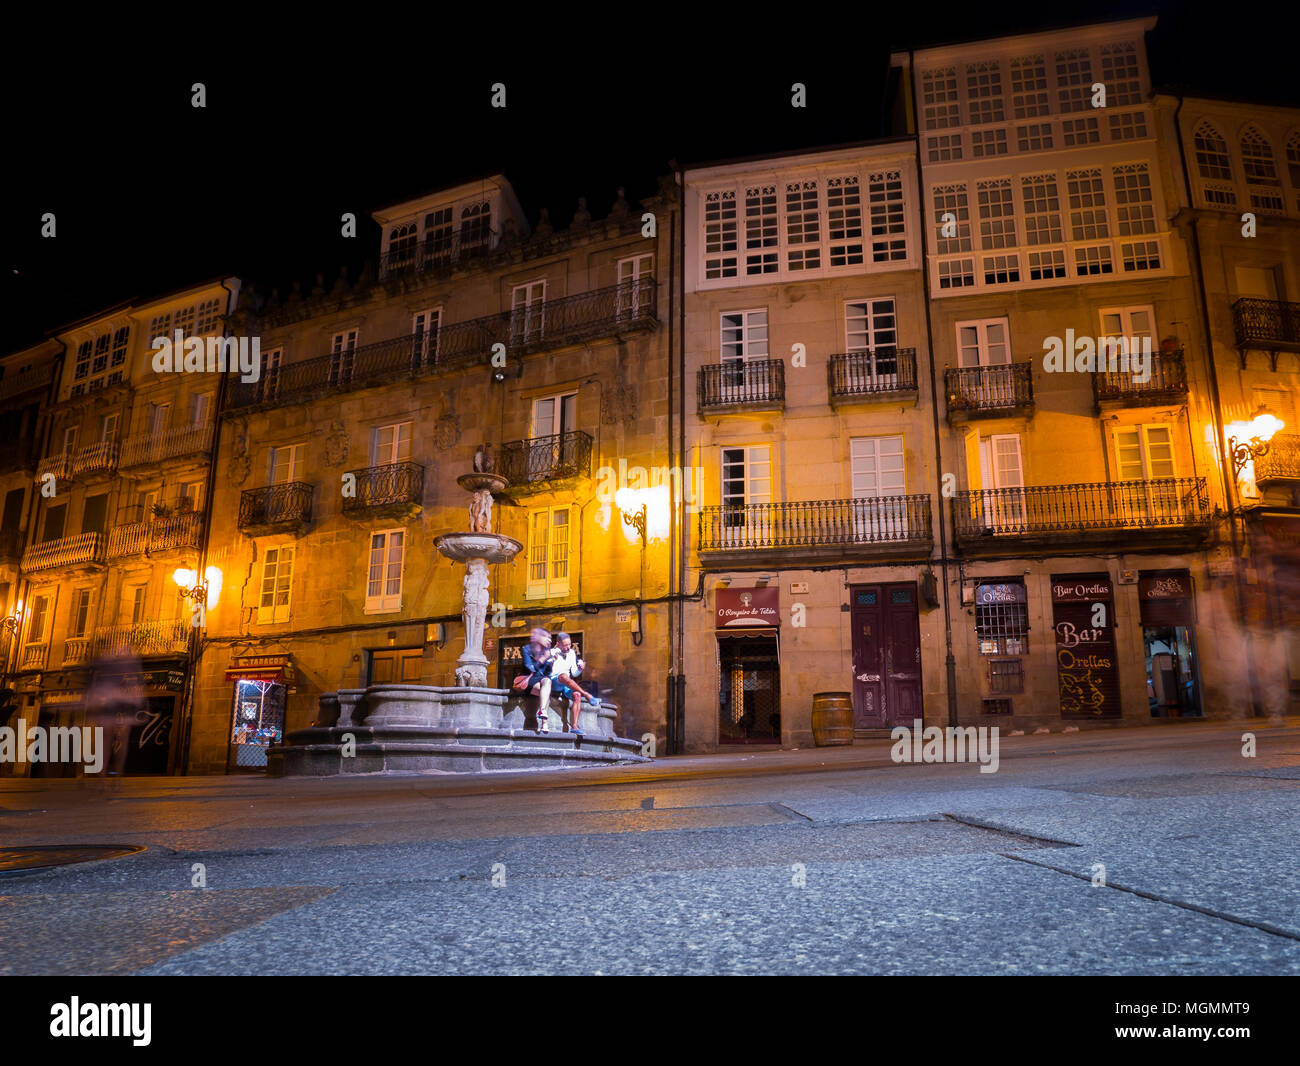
205	591
1249	440
11	622
636	520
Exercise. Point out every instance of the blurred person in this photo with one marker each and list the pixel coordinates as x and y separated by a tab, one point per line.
113	703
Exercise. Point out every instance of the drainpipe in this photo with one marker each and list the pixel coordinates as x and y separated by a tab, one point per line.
950	661
674	510
679	737
1229	488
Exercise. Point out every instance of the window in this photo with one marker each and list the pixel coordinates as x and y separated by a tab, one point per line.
1028	87
108	427
957	274
1212	160
120	339
94	513
527	308
424	332
944	147
997	217
1134	210
555	415
1005	676
70	434
760	230
438	236
803	226
870	324
160	326
1042	209
1002	618
1074	79
342	348
939	98
1119	73
96	356
876	471
83	360
951	200
744	335
746	487
286	464
183	320
136	602
844	221
1049	264
1293	164
1123	323
401	244
1076	131
1087	205
988	142
391	444
277	577
205	321
1090	261
475	229
80	620
1001	478
548	553
1145	458
270	384
1034	138
635	285
1262	183
1128	126
384	579
984	93
189	497
40	614
983	343
159	415
720	234
200	408
55	519
885	200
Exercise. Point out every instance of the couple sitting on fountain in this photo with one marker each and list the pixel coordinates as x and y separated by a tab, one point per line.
553	669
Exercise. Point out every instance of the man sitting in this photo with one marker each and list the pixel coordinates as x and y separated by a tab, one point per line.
537	657
565	666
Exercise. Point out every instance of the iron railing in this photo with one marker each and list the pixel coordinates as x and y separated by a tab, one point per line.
989	388
1266	323
544	459
97	458
1163	503
741	383
1167	381
385	486
869	373
275	505
1281	462
152	636
548	324
882	520
155	534
82	550
435	254
169	444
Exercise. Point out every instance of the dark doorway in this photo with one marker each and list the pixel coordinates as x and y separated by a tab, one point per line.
749	703
886	656
151	736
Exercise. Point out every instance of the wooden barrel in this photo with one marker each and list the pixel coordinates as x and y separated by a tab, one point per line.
832	718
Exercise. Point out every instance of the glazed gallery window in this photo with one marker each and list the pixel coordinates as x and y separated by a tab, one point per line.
391	444
384	577
548	553
277	576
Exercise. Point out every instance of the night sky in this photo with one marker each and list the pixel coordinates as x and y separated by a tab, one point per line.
152	195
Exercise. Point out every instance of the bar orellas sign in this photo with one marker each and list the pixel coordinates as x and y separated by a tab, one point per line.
748	607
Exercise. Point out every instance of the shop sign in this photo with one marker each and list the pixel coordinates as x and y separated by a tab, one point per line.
1165	597
748	607
1012	592
1086	669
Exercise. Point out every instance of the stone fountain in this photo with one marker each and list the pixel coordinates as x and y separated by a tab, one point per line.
468	728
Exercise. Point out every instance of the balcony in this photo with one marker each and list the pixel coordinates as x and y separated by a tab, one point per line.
1167	383
741	385
157	534
33	657
17	384
394	490
1163	512
989	391
551	324
171	444
275	509
94	459
1266	325
76	651
148	637
83	550
59	464
816	531
542	463
437	255
883	374
1281	464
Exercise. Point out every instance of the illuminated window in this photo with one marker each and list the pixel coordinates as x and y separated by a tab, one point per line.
277	578
548	553
384	574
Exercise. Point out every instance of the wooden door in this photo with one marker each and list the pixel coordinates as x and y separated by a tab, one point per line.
886	656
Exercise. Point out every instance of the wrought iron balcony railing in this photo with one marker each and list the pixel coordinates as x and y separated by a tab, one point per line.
758	383
1282	461
397	486
85	549
97	458
152	636
436	254
1168	382
873	373
1267	324
550	324
169	444
275	506
540	460
877	520
989	390
1068	510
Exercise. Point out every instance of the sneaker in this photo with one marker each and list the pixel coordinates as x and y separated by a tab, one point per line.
541	724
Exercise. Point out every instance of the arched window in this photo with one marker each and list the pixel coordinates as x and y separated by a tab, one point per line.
1212	154
475	226
401	244
1261	172
1293	164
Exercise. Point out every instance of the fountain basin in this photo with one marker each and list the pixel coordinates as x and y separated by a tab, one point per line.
494	547
494	483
